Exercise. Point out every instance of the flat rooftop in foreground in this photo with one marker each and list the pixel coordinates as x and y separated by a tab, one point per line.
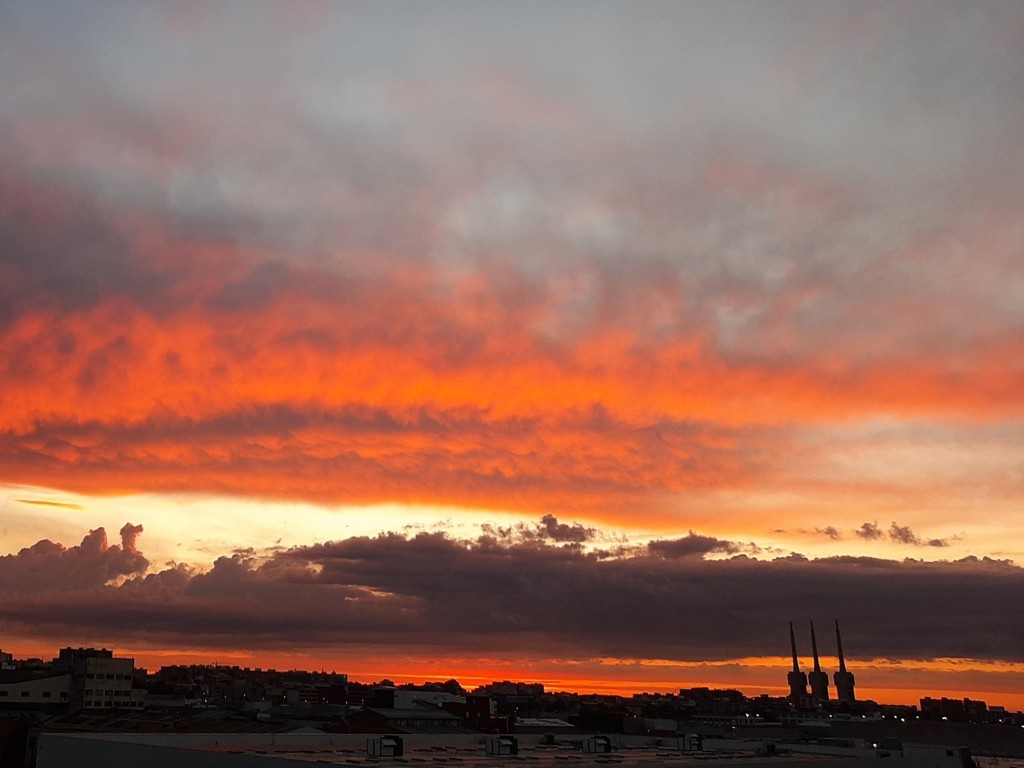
539	756
64	750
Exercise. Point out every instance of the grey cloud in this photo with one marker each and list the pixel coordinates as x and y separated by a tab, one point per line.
902	534
548	529
564	532
869	531
830	531
753	304
129	538
692	545
60	248
46	566
825	250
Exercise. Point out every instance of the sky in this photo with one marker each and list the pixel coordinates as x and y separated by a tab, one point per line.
583	342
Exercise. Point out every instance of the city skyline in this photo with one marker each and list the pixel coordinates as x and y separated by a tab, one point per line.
56	674
802	696
594	341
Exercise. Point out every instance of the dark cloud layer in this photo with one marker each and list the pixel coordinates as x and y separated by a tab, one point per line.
494	595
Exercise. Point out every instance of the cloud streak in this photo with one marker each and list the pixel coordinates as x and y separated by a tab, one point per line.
521	389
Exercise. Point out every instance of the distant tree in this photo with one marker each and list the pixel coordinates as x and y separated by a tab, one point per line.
453	687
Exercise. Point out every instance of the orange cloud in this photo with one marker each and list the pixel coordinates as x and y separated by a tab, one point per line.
385	394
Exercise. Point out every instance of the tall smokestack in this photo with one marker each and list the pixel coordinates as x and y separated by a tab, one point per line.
797	680
792	643
845	681
839	645
814	649
817	678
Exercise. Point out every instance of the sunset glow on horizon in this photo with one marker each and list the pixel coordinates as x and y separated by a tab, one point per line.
588	343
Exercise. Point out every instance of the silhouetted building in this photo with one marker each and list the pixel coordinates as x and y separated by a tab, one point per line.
417	719
844	680
79	678
797	679
99	679
958	710
34	689
817	678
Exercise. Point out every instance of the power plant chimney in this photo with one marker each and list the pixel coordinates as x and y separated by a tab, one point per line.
797	679
817	678
844	680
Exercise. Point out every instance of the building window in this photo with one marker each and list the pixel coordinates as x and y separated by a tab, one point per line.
4	693
46	694
24	694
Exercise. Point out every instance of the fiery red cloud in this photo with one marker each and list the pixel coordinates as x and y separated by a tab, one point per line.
192	368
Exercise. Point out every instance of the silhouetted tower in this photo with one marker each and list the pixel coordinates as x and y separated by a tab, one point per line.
797	679
844	680
817	678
